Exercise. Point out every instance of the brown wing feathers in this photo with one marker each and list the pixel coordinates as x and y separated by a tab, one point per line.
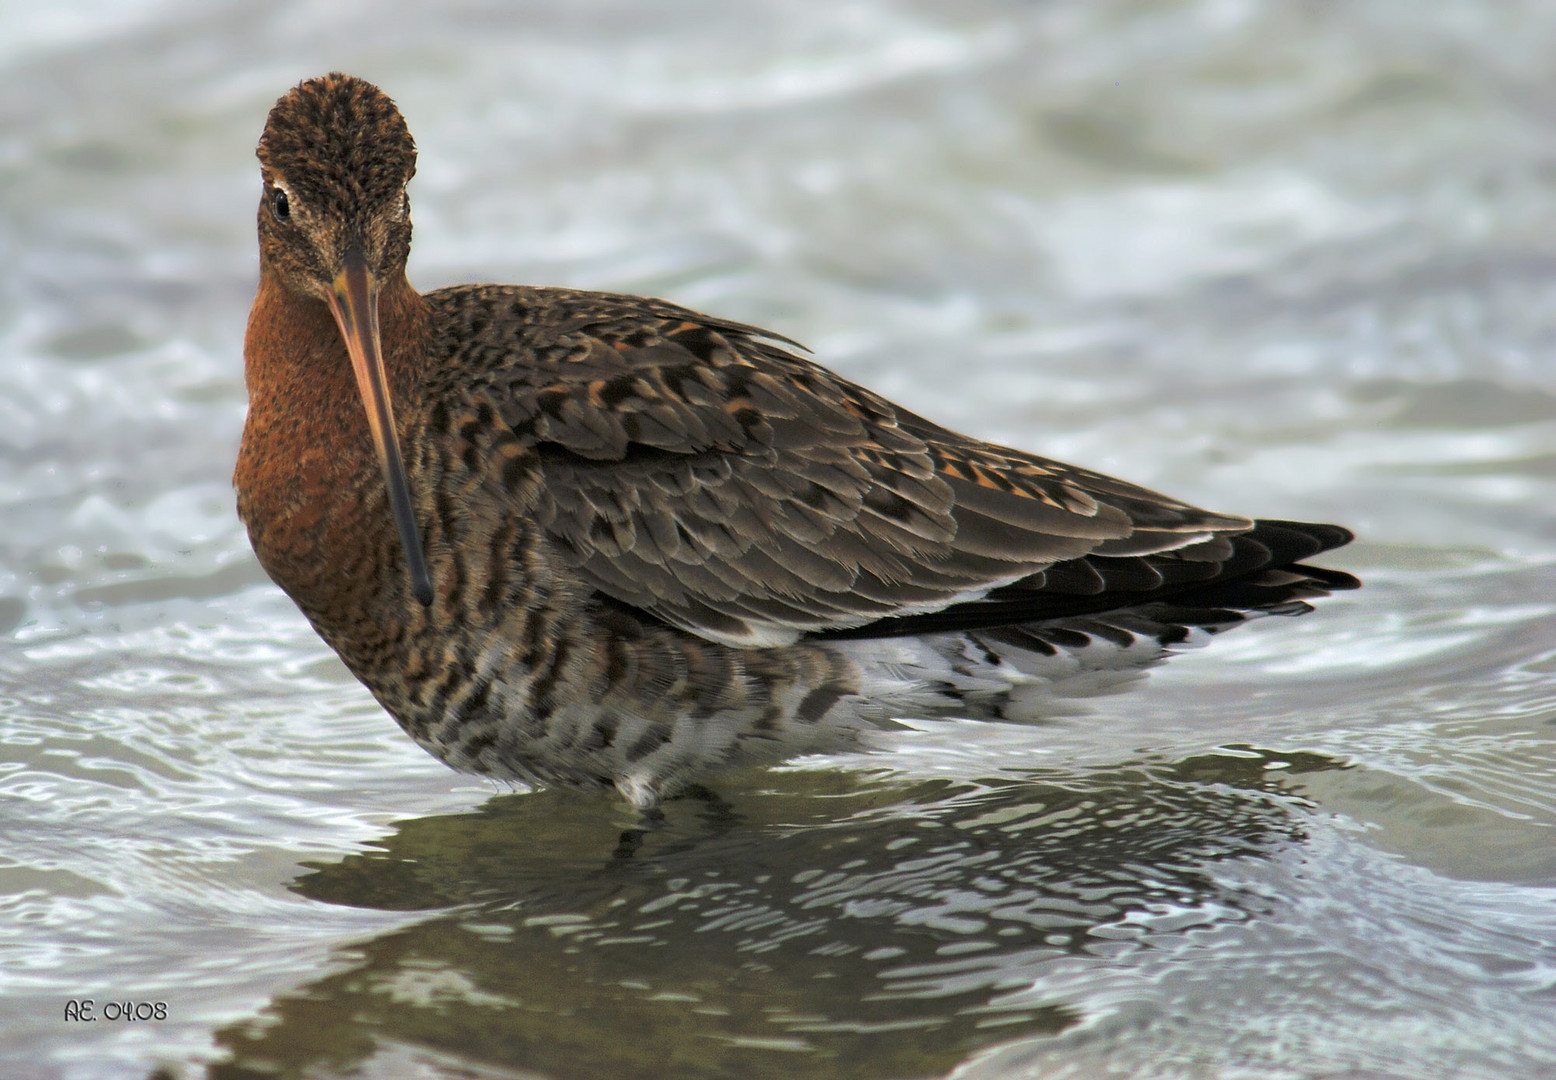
695	469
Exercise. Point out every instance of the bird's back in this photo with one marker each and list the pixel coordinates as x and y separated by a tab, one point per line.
702	472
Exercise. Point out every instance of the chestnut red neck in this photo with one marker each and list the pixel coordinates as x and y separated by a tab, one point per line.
308	476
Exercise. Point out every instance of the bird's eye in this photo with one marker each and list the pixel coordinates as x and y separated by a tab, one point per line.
279	205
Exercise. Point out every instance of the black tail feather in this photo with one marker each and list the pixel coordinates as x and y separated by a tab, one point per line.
1263	572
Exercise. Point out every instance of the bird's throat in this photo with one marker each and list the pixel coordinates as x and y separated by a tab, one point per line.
311	490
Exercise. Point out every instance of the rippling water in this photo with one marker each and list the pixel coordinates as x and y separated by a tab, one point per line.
1290	259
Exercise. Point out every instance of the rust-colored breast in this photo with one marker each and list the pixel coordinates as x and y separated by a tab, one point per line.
309	486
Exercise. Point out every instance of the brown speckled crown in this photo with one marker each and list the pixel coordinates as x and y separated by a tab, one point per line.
339	143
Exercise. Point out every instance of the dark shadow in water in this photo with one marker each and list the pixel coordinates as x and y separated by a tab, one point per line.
819	925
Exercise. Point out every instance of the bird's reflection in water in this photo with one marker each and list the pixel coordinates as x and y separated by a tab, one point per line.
809	924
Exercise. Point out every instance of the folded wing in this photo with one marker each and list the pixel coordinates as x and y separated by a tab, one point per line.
701	471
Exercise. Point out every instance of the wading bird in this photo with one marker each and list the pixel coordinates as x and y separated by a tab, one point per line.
591	539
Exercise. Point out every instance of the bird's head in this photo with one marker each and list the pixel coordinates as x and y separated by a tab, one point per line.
335	159
334	224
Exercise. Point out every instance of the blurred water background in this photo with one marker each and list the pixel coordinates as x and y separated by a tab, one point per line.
1279	257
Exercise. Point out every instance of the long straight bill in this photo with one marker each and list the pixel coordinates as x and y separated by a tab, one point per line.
354	302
